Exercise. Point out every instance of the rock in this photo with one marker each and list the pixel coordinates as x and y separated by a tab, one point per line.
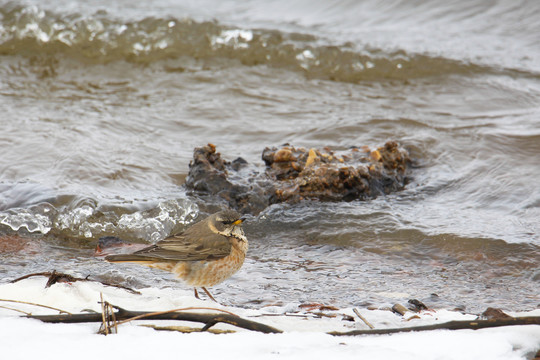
336	176
417	305
108	245
399	309
210	174
293	174
494	313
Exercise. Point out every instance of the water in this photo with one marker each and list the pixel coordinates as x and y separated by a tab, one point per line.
103	103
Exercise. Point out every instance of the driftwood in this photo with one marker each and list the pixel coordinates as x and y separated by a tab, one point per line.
56	277
363	318
111	316
451	325
110	319
122	314
212	319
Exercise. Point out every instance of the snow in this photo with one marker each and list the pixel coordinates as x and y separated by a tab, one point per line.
304	337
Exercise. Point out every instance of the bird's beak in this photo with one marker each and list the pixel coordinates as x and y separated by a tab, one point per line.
239	221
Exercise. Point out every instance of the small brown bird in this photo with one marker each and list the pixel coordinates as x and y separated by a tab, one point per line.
203	255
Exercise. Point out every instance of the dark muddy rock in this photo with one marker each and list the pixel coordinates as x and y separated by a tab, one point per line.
494	314
293	174
358	173
236	182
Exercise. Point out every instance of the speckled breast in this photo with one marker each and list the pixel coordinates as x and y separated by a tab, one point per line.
209	273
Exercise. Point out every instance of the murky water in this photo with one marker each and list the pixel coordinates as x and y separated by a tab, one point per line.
103	103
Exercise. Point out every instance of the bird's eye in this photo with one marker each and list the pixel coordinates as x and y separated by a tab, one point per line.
232	222
227	221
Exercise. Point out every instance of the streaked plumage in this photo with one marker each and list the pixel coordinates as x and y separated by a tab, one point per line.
203	255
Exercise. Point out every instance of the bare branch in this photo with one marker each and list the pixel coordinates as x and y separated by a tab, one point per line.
55	277
121	314
451	325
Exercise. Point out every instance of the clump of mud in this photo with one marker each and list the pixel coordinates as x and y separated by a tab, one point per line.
292	174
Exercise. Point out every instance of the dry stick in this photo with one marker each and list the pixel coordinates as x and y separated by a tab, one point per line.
13	309
363	318
149	314
451	325
113	318
104	328
108	315
34	304
46	273
54	276
121	314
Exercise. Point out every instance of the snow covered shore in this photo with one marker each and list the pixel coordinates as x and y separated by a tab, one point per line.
304	335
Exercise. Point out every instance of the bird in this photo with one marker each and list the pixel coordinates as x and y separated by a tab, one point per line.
205	254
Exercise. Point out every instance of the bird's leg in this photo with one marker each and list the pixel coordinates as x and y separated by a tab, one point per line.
196	293
208	293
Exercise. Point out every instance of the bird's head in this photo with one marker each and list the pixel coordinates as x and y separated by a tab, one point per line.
228	223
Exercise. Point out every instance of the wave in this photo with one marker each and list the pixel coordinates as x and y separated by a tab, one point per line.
84	220
29	31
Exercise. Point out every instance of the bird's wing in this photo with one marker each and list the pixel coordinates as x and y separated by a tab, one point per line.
187	246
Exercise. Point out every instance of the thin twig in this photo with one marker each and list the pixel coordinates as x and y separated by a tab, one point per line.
46	273
34	304
363	318
54	277
111	318
103	329
113	315
107	317
13	309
